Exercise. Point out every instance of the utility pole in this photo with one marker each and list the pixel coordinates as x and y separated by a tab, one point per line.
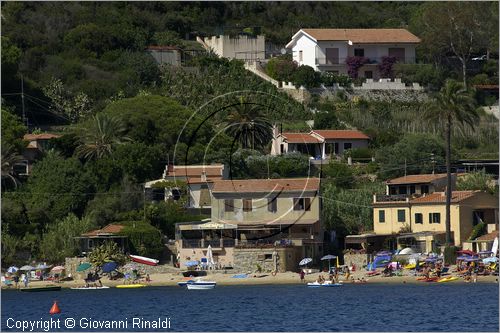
433	162
22	100
405	167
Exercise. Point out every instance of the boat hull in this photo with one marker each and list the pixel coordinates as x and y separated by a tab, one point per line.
199	286
317	285
130	286
39	289
447	279
90	288
144	260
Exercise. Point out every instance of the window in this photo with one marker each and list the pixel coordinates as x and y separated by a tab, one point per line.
347	145
298	203
392	190
307	203
419	218
300	55
268	256
368	74
401	215
424	189
359	52
412	189
272	205
229	205
247	205
434	218
402	190
381	216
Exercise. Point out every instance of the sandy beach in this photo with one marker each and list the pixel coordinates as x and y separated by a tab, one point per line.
171	279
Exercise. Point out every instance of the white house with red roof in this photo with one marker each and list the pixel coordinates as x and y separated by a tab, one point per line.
328	49
319	144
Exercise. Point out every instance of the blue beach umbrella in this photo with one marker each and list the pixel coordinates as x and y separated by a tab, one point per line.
192	263
12	269
489	260
109	267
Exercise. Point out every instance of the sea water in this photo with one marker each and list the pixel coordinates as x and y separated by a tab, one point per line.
368	307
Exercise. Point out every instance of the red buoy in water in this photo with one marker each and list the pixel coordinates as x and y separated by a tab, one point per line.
54	309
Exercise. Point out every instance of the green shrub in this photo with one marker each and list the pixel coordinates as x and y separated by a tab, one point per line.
144	239
424	74
306	76
281	68
478	230
361	153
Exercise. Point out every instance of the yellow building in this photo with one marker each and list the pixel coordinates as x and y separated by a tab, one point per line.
423	218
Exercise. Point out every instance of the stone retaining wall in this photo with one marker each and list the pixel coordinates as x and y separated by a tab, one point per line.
246	260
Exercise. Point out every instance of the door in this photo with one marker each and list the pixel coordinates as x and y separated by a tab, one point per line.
332	56
398	53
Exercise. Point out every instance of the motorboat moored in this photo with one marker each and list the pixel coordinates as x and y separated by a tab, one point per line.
90	288
324	284
46	288
200	284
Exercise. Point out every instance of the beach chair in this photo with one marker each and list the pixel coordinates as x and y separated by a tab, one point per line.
6	282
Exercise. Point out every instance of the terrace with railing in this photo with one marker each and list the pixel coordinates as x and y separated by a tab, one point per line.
324	61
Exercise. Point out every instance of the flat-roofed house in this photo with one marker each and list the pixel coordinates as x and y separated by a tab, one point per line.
418	184
329	49
270	222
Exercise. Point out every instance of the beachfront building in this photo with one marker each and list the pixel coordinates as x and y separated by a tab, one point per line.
38	144
267	223
319	144
419	222
94	238
198	180
329	50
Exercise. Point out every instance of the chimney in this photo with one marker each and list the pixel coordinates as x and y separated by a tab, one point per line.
203	176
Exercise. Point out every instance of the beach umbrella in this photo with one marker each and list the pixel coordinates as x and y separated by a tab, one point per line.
191	263
210	256
83	267
57	269
305	261
407	250
42	266
12	269
109	267
27	268
384	253
490	260
467	252
329	257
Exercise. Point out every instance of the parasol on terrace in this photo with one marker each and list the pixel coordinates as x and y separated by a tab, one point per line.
12	269
305	261
329	257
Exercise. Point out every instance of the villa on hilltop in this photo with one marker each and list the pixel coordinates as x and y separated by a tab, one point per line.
327	50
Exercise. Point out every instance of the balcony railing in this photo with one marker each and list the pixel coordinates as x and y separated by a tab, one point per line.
322	61
228	242
394	197
191	243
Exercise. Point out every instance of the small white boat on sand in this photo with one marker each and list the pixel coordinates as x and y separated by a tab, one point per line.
200	284
324	284
89	288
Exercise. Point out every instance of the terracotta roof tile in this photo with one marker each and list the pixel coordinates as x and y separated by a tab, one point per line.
341	134
107	230
416	179
43	136
488	237
266	185
364	35
440	197
300	138
196	170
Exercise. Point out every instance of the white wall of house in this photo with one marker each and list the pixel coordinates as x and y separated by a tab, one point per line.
308	48
243	47
314	54
195	194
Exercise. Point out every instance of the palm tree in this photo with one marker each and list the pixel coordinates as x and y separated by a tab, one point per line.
246	124
10	157
453	104
100	136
